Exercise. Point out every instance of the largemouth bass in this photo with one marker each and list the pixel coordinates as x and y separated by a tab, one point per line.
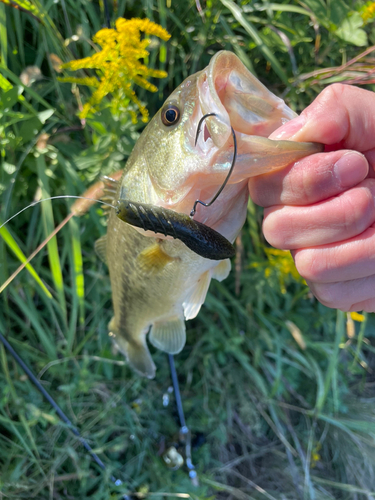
158	282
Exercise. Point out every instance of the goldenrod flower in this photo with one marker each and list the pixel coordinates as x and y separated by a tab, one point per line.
280	263
283	263
357	317
118	64
368	12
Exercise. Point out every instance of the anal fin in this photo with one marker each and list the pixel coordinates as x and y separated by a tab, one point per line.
197	296
153	259
169	336
101	248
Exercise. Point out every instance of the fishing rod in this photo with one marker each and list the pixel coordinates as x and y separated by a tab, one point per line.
59	411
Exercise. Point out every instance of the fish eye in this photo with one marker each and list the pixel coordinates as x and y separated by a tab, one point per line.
170	115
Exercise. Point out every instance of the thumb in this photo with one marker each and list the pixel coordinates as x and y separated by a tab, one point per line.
341	115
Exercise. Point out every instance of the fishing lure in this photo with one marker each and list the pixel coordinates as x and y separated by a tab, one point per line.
201	239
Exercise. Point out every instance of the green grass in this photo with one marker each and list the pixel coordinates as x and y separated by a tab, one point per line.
270	419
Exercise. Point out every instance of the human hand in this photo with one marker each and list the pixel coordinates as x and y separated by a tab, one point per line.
322	207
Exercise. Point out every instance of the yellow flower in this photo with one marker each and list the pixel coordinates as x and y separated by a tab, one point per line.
357	317
118	65
282	262
368	12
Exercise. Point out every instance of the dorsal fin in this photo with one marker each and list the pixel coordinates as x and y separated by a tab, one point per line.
109	190
101	248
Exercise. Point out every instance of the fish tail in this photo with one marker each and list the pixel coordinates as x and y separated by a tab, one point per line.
137	355
140	359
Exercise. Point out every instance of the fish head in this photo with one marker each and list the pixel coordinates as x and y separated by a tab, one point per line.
182	166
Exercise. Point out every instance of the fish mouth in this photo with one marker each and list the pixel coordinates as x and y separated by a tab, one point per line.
239	100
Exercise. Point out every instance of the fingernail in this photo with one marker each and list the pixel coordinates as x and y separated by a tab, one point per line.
350	169
289	129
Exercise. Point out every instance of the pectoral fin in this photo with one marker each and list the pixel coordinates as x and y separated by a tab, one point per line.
197	296
169	336
221	271
101	248
153	259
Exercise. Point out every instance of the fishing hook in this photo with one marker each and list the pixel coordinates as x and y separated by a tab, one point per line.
192	213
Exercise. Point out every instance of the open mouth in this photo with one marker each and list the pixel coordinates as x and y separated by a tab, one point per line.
206	133
228	89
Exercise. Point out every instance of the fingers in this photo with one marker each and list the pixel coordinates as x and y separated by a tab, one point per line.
336	219
341	275
323	206
341	115
312	179
343	261
354	295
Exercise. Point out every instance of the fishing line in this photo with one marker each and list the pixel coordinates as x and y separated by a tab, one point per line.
185	434
192	213
44	243
54	198
58	410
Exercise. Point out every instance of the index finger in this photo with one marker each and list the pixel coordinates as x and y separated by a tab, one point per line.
341	115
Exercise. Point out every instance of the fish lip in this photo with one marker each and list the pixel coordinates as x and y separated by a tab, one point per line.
216	128
226	87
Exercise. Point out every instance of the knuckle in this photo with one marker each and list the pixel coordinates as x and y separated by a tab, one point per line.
336	89
331	93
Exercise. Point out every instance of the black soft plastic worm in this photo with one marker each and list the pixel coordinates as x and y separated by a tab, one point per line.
200	238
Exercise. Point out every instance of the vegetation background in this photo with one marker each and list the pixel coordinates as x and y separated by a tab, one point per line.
278	390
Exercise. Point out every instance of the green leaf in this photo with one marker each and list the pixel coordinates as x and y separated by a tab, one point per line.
339	10
44	115
249	27
12	244
10	97
350	30
4	84
29	129
319	8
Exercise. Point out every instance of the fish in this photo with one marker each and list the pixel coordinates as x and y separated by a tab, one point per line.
157	281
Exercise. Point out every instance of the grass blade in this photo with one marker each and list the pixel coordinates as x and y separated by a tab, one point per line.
32	314
78	287
49	226
3	37
332	367
12	244
250	29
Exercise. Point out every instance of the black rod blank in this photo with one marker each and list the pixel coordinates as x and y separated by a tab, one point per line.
58	410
